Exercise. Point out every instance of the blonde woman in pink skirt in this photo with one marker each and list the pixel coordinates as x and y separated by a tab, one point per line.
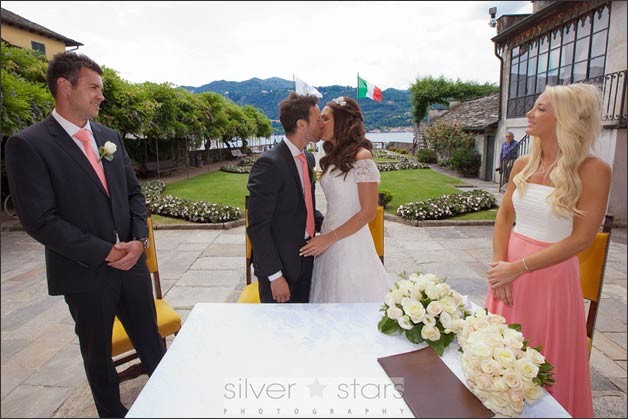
558	199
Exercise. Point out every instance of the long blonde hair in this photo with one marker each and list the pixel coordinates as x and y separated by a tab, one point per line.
578	110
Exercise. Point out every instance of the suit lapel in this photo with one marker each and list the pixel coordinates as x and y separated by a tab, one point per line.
99	136
67	144
286	155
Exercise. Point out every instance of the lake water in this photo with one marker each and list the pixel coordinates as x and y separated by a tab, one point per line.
375	137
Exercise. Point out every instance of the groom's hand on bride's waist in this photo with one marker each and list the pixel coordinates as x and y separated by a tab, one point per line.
280	290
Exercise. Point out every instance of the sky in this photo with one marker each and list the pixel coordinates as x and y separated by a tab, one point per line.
192	43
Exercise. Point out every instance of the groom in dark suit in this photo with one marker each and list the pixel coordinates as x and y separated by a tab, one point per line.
282	212
75	192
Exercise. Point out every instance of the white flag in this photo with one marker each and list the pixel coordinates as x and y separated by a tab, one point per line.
302	88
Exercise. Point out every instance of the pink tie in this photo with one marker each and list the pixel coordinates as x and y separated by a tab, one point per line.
307	190
84	137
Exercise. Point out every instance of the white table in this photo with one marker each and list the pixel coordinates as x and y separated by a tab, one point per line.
285	360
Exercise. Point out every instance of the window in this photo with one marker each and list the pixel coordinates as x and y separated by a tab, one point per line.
39	47
568	54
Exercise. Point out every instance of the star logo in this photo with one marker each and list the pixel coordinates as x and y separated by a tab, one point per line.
316	389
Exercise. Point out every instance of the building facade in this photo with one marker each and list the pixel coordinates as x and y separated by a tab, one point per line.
565	42
23	33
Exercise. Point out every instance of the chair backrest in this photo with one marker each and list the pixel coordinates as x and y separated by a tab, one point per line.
377	231
151	256
592	266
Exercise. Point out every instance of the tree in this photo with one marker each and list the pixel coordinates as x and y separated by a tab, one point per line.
24	97
428	90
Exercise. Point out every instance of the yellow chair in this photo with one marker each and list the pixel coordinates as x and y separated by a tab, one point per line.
250	293
592	265
377	231
168	320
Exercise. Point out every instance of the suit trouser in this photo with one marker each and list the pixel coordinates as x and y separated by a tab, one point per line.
299	287
130	297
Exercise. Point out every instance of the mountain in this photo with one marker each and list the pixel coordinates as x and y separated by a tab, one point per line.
393	113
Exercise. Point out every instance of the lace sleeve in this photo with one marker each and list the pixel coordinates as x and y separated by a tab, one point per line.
365	171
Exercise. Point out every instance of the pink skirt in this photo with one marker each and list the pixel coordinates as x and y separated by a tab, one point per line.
549	306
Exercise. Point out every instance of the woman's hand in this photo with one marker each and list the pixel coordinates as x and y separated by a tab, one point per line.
503	273
318	244
503	294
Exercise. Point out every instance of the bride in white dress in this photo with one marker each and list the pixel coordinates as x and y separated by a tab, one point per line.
347	267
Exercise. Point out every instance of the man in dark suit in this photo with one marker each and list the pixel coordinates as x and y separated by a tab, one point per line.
279	220
89	213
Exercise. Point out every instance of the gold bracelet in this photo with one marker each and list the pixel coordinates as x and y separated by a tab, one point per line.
335	235
525	265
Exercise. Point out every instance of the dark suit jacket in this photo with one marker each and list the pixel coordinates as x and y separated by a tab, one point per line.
277	212
62	204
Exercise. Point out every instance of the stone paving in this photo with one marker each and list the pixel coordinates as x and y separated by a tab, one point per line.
42	371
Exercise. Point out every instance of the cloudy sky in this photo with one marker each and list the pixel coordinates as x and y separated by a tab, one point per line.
323	43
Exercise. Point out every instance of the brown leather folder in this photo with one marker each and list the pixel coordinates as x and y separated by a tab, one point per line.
430	389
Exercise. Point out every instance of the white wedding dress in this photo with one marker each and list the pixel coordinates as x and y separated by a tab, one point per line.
349	270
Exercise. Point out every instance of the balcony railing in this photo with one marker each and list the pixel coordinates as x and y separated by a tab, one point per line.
614	97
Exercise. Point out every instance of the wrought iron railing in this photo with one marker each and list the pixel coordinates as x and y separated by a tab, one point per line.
614	96
523	147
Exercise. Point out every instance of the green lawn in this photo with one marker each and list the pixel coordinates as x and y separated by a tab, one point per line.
216	187
405	185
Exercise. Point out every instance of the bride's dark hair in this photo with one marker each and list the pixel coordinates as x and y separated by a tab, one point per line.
348	135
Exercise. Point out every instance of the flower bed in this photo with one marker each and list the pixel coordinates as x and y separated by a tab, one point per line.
230	168
196	211
447	205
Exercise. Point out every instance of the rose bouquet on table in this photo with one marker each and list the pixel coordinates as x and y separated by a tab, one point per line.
425	309
500	368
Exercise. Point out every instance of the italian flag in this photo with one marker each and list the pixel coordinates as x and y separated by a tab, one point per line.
366	89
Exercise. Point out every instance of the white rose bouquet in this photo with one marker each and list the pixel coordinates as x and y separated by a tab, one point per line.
425	309
501	369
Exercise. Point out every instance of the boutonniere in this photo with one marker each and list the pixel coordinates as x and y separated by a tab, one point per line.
106	151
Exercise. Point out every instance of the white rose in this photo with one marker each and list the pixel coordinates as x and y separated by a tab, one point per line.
513	380
497	319
448	304
429	278
434	308
432	292
479	349
445	320
394	312
404	322
110	147
415	310
443	290
429	320
430	333
534	356
405	286
489	366
504	356
526	368
533	392
393	297
499	385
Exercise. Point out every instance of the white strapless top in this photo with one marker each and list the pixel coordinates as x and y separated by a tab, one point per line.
535	218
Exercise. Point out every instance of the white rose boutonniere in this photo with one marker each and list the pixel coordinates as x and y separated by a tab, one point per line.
106	151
